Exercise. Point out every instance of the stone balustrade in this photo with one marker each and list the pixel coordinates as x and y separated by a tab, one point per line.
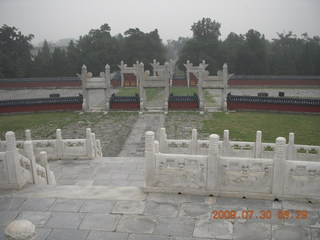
217	167
60	148
18	170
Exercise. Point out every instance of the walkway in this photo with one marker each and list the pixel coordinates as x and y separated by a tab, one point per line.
134	146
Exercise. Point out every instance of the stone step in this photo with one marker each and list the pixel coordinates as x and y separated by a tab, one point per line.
213	109
79	192
154	109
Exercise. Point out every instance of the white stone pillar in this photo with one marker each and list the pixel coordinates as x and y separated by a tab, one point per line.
194	142
28	149
85	93
156	146
44	163
20	230
122	66
12	160
291	148
226	143
163	140
225	76
28	135
107	93
258	145
166	78
279	166
59	144
213	162
89	143
150	159
200	89
94	144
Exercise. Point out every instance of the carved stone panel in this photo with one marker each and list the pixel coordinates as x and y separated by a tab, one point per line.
181	171
247	174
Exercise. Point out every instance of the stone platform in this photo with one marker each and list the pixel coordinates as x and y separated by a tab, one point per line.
104	200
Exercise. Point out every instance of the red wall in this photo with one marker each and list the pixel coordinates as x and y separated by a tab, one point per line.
183	105
273	107
133	105
179	82
302	82
40	84
39	108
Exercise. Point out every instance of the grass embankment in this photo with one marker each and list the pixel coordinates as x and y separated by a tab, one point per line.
44	124
243	126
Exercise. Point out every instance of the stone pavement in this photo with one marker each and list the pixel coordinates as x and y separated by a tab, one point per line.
134	146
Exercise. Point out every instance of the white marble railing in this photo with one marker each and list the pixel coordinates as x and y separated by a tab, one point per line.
228	168
17	170
228	148
60	148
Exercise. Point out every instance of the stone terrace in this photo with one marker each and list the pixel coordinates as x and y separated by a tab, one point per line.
103	199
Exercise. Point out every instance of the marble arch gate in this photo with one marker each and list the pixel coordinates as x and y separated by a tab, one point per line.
90	86
159	80
209	82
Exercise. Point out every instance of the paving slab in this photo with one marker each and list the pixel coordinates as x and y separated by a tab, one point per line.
99	221
67	205
42	233
281	232
7	216
99	235
137	224
40	204
65	220
208	228
194	210
175	226
129	207
10	203
169	209
315	233
68	234
97	206
147	237
252	231
38	218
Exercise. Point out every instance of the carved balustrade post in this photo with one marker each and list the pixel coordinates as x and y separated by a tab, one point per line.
28	148
279	166
213	162
150	159
12	160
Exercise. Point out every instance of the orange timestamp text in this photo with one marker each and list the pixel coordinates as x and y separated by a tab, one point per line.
263	214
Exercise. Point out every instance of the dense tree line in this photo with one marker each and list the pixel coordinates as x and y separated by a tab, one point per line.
251	53
245	54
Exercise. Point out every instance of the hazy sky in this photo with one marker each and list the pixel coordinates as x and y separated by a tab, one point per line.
57	19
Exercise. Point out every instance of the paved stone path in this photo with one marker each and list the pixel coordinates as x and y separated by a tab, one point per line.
134	146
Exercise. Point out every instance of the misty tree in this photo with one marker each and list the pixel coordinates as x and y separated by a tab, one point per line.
205	45
145	47
174	47
43	61
15	55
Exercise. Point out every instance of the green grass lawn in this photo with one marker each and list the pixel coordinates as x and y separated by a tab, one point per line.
127	91
243	126
46	123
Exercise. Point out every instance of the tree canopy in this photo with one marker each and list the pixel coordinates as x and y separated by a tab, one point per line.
246	54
